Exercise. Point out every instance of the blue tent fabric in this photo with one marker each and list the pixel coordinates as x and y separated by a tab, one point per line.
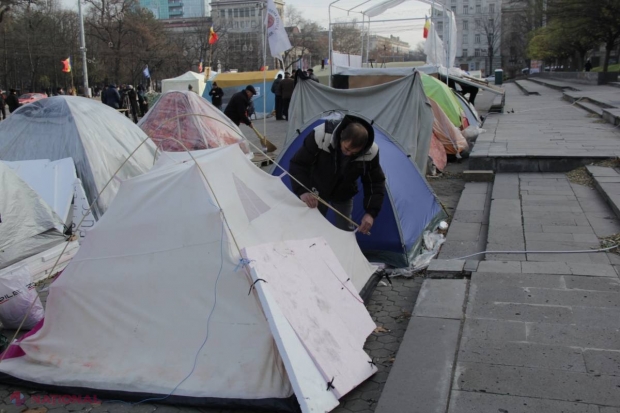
409	209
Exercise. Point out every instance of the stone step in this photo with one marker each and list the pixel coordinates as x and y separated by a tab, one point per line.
607	182
526	87
553	84
419	381
590	107
614	84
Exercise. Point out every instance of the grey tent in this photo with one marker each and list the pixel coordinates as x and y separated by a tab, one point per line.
96	136
27	223
399	107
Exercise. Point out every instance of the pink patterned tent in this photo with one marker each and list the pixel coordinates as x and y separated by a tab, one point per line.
190	119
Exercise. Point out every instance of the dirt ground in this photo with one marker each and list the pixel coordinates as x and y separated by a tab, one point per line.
449	185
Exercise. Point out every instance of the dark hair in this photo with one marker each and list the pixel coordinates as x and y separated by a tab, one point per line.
356	134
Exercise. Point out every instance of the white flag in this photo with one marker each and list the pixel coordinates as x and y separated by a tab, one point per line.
278	39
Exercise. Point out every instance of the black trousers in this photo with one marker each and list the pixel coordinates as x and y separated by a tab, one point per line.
285	103
278	107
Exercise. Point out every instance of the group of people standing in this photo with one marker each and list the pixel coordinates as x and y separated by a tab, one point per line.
283	90
10	102
133	101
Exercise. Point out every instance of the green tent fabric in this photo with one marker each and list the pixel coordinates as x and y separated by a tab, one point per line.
441	93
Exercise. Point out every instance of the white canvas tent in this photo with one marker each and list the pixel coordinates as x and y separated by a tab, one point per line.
196	80
166	256
28	224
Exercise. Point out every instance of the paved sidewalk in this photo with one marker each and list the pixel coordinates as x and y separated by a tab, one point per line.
542	133
542	331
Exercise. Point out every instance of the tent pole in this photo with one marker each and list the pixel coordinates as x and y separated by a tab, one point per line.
367	41
264	70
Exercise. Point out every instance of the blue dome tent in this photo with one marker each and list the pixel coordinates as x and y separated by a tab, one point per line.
409	208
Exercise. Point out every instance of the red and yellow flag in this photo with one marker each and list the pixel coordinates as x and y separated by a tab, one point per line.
200	67
212	36
427	28
66	65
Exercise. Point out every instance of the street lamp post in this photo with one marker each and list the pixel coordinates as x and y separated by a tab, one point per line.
83	51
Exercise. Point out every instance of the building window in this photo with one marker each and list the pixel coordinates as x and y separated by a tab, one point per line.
253	24
465	9
236	24
222	13
491	21
465	25
252	12
478	8
230	13
453	8
477	52
477	23
236	12
465	38
491	8
477	39
464	52
440	26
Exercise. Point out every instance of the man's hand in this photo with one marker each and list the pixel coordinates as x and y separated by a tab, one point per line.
310	200
366	224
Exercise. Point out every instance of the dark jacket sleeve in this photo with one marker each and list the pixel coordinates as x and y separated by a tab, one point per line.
301	165
374	187
240	108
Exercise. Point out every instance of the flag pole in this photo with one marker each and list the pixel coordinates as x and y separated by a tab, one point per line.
264	7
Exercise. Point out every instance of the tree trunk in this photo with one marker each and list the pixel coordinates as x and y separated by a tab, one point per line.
608	48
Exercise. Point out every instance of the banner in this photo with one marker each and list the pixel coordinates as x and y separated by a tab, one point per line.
278	39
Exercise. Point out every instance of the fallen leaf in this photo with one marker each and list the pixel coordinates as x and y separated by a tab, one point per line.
380	329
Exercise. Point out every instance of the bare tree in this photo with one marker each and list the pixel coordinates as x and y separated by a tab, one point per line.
305	38
489	27
346	38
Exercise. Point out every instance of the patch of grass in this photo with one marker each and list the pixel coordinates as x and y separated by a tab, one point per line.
611	68
582	177
610	241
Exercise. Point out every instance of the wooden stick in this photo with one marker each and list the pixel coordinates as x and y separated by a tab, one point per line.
264	141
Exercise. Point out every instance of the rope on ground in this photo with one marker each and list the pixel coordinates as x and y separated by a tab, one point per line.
537	252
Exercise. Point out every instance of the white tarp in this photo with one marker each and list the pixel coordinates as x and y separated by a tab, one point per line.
196	80
93	134
399	107
348	60
28	224
163	259
51	180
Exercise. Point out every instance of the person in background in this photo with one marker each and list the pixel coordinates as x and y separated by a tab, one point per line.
191	89
60	91
216	94
286	87
133	103
331	160
237	108
142	100
12	101
2	106
312	76
588	65
112	97
278	94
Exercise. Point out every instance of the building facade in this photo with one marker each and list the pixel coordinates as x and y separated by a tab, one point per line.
479	34
176	9
383	49
239	25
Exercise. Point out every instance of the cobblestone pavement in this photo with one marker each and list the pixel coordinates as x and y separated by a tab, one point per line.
390	307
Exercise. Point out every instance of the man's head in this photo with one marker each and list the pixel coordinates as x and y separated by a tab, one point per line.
287	75
310	71
214	84
250	91
353	139
280	76
190	87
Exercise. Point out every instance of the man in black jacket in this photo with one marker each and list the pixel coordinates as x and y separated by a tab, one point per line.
216	94
12	101
237	108
331	160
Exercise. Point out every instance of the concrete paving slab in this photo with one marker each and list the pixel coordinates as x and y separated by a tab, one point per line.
602	362
500	266
475	402
463	231
545	268
538	383
428	349
593	270
441	299
441	265
584	336
469	216
522	355
494	330
519	280
591	284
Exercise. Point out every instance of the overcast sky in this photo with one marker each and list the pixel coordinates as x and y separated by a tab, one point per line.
317	10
